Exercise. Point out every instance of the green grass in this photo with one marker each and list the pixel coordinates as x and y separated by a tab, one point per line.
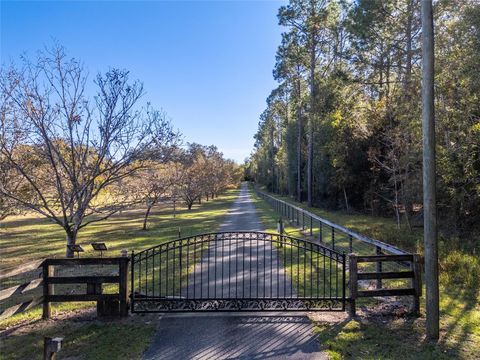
367	339
312	274
83	338
376	227
390	337
26	238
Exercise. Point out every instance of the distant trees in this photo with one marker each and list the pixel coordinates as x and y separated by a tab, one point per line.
70	153
349	89
78	160
188	175
205	173
151	185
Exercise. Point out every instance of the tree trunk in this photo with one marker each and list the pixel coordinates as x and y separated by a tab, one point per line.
310	127
71	240
272	160
381	91
299	146
346	200
396	204
408	65
310	168
190	203
145	219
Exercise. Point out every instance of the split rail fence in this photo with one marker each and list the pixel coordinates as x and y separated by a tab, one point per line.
32	284
18	283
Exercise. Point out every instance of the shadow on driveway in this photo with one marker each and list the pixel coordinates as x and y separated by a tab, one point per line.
234	336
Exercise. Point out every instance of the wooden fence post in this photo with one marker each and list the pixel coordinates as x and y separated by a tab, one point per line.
378	267
123	286
51	346
48	271
417	283
353	270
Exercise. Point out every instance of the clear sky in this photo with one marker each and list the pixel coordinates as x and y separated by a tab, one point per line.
207	64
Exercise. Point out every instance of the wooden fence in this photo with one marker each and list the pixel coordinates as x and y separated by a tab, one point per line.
43	274
390	261
107	304
415	274
14	292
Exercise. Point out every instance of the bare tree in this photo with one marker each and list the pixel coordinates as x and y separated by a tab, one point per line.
153	184
9	180
193	181
72	152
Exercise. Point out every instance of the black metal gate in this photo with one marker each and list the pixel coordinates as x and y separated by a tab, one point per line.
233	271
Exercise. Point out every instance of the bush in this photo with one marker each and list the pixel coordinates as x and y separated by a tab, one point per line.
460	271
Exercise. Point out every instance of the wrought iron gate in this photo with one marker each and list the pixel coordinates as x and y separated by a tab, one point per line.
233	271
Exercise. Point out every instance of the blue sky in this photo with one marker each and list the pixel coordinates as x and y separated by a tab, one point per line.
207	64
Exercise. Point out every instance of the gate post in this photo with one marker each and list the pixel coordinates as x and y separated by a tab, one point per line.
417	283
132	279
353	270
47	289
123	286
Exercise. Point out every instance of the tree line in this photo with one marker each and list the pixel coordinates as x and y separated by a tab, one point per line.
77	159
343	128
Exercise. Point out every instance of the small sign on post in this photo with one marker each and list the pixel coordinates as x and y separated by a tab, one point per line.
99	246
76	248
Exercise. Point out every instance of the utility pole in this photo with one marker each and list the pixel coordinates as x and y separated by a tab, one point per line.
429	174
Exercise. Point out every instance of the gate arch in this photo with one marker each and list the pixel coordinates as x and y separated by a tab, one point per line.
234	271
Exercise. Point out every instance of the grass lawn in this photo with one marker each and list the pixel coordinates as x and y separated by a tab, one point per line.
385	336
25	238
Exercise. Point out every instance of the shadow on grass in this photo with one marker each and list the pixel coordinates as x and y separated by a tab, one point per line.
84	336
379	337
388	337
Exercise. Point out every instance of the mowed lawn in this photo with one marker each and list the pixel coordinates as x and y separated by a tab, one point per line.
29	237
375	335
26	238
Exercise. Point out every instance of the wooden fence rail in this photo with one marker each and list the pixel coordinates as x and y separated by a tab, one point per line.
20	289
107	304
414	274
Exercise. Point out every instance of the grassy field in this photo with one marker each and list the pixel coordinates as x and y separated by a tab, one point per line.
26	238
379	335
